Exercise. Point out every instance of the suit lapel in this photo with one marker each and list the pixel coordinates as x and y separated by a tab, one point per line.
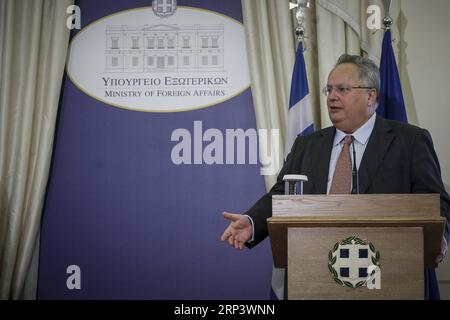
377	146
321	154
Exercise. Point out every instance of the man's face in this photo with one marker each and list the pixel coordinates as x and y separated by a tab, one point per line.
349	111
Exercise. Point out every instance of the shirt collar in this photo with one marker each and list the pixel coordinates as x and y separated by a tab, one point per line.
361	135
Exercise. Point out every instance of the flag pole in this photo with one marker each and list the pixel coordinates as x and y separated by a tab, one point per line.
387	21
300	14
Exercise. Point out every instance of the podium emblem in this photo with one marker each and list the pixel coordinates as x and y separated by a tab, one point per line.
349	261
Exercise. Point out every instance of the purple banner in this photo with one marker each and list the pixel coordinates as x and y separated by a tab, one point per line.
135	196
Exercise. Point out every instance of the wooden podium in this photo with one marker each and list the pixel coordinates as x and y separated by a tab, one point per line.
323	239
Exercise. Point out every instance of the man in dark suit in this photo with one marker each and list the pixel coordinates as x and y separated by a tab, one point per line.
391	157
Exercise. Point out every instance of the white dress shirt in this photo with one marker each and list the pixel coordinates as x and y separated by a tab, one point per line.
361	138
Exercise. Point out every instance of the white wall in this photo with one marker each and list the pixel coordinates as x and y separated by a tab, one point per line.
424	63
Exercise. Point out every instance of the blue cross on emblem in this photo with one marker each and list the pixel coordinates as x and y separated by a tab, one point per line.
164	8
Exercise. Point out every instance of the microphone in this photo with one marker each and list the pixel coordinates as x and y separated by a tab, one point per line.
355	177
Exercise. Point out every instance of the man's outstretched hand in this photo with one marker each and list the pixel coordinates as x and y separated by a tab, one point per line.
238	232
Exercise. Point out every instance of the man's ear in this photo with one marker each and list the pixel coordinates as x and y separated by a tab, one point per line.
372	97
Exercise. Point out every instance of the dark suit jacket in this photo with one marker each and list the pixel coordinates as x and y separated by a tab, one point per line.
399	158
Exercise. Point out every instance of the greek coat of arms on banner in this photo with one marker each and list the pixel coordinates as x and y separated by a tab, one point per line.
164	8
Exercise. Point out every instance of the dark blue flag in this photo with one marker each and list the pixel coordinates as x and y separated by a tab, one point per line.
391	104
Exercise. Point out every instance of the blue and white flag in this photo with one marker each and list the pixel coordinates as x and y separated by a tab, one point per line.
300	120
391	104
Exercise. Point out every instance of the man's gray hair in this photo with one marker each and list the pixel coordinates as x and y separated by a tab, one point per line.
368	71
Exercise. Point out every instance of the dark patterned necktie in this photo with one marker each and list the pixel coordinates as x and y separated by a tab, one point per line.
343	172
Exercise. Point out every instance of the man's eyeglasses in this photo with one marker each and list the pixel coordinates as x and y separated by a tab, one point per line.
341	90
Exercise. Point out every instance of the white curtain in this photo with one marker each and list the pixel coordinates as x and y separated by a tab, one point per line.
33	46
271	52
